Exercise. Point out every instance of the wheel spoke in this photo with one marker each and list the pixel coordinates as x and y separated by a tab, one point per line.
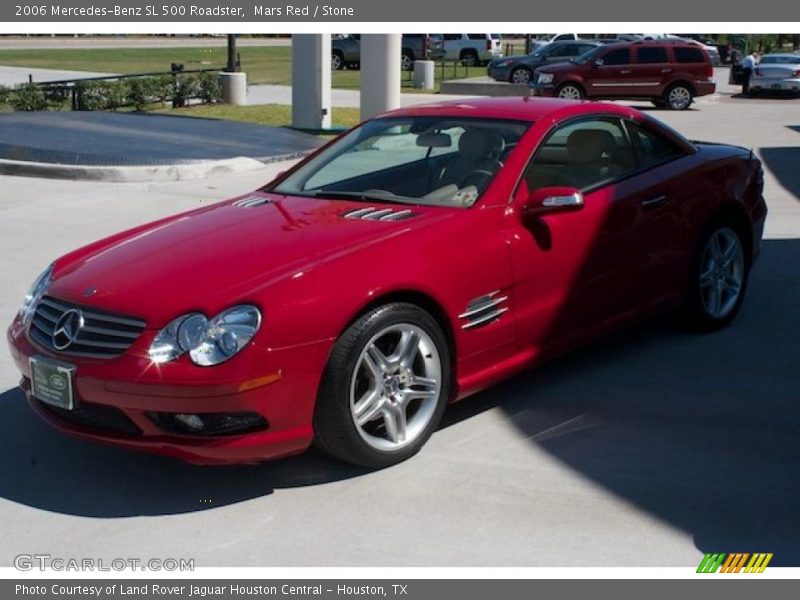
368	406
732	284
707	276
716	250
729	254
378	359
407	349
394	419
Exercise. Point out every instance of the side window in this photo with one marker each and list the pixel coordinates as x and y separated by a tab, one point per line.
651	148
476	36
684	54
651	54
452	36
582	154
561	50
620	56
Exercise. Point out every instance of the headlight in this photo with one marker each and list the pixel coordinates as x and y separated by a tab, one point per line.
545	78
208	341
35	294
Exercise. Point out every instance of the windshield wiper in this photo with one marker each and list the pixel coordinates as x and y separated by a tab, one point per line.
364	196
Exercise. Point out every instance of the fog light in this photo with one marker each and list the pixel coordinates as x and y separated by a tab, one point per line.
209	424
191	422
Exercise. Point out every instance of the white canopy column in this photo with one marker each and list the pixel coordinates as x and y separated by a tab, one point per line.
311	81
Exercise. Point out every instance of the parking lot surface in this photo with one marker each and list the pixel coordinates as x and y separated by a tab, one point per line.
648	448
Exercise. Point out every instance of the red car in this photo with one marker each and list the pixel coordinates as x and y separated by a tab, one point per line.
670	73
415	260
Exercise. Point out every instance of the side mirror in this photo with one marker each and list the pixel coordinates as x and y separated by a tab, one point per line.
598	62
551	200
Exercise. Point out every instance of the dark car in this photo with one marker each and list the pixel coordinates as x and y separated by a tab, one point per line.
667	72
519	69
346	51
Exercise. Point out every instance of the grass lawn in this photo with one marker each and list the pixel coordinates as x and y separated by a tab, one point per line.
277	115
262	64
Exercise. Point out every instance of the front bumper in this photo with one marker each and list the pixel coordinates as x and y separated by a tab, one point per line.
499	73
546	90
130	393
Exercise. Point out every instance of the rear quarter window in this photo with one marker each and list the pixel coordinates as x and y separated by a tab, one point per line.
684	54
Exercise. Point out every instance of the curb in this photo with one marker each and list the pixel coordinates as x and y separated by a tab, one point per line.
128	174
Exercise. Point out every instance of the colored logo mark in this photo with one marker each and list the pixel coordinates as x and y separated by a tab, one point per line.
735	562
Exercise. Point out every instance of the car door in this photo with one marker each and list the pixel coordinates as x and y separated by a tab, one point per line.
667	207
650	72
610	75
578	272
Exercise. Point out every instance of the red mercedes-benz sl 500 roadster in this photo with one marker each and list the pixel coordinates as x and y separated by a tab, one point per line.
420	257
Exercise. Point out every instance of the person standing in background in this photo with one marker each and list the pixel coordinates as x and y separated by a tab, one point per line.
749	63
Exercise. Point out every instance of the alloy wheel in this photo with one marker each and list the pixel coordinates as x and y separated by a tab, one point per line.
722	273
570	92
336	62
679	98
521	76
395	387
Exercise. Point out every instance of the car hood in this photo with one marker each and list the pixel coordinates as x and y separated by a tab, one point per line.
210	258
557	67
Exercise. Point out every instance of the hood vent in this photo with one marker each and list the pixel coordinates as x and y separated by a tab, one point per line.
251	201
379	214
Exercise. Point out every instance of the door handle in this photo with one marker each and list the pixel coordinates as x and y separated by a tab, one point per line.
654	202
666	70
624	71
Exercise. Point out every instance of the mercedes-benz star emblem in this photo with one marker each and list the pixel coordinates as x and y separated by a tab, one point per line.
67	329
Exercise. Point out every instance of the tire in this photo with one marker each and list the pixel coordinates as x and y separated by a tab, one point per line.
719	264
377	406
570	91
337	61
406	61
521	75
679	96
469	58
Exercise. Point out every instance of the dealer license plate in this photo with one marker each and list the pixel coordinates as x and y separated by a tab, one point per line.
52	382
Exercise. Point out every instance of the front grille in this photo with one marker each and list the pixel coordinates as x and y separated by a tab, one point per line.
102	335
95	416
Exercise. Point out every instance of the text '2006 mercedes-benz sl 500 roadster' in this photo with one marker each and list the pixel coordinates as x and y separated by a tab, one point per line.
419	258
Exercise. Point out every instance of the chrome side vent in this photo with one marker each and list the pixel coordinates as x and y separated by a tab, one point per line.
483	310
251	202
379	214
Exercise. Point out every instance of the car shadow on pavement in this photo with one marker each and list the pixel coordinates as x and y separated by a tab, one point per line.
45	469
700	431
783	163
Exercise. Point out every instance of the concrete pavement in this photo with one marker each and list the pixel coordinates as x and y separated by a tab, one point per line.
648	448
12	76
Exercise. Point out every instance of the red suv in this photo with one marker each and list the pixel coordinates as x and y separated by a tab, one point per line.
669	73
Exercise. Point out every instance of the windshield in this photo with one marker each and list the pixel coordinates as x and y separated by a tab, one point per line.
442	161
780	60
587	56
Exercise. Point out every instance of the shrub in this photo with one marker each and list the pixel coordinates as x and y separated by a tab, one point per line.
101	95
208	87
5	94
28	97
140	92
